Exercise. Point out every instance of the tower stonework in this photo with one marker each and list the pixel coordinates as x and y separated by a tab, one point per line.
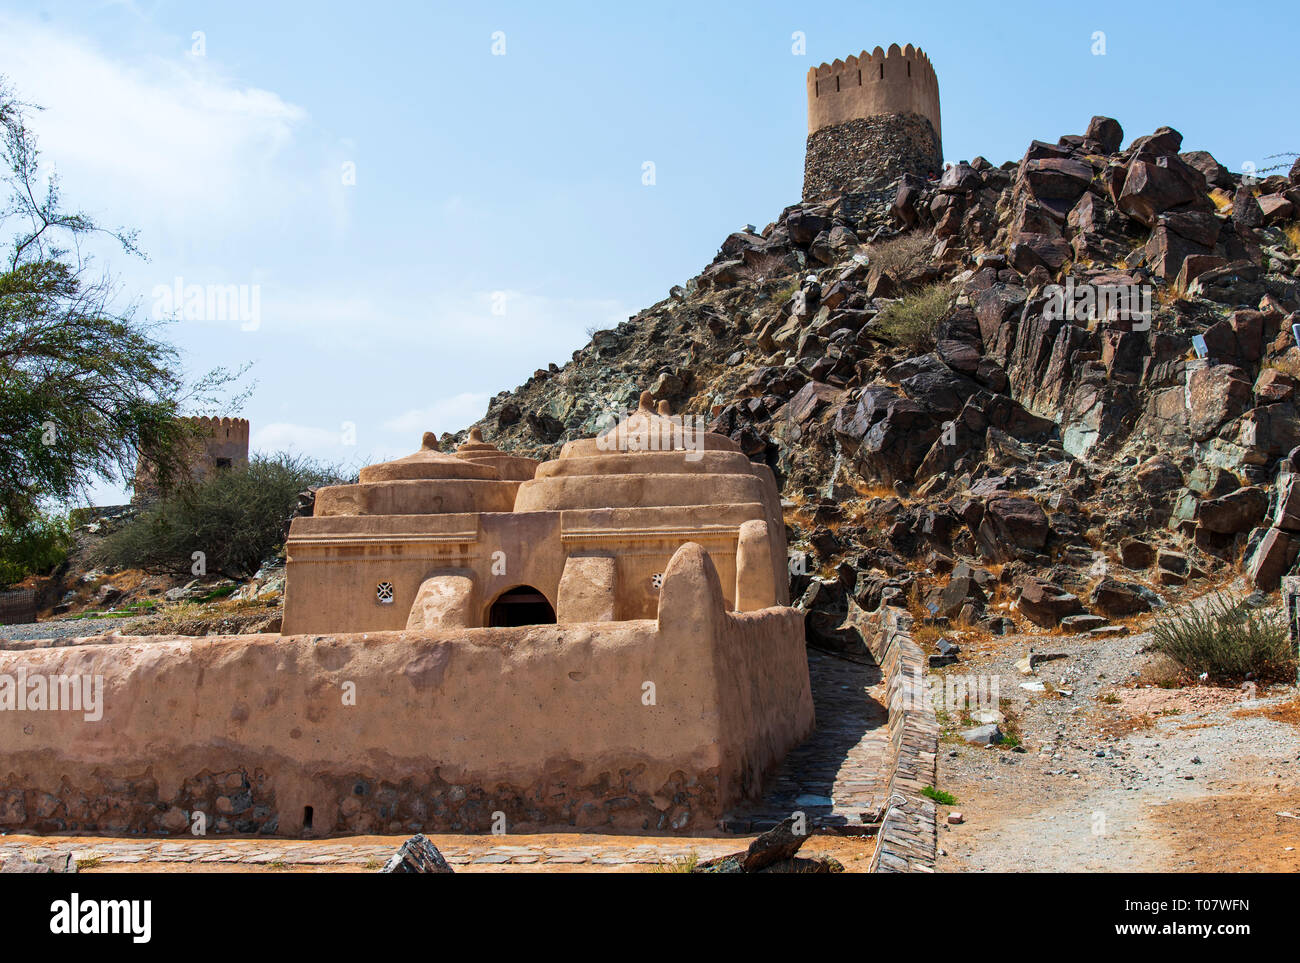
219	443
871	119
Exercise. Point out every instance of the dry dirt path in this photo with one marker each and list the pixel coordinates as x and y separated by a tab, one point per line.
1120	777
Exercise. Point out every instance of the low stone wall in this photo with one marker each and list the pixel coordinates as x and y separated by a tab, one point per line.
908	837
648	724
869	152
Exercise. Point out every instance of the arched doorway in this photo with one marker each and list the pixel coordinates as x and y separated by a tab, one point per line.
521	606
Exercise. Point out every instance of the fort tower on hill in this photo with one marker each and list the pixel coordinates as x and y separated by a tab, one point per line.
871	118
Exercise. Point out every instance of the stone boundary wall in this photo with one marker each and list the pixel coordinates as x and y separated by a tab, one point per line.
398	732
909	836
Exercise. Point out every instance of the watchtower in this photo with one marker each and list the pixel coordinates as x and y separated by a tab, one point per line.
219	443
871	118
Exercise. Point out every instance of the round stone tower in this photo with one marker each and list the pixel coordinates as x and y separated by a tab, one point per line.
871	118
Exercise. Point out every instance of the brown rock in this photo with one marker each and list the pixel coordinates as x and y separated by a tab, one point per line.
1273	557
1215	393
1136	554
1238	511
1114	598
1106	133
1276	208
1044	603
1011	525
1156	185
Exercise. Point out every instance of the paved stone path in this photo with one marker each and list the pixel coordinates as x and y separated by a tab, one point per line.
593	852
835	776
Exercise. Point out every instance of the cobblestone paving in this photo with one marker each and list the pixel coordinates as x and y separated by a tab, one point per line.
835	776
596	854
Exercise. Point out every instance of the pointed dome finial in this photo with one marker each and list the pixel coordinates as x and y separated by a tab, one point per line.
429	441
647	401
665	408
476	435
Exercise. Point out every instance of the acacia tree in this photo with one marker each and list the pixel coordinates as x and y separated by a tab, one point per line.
84	385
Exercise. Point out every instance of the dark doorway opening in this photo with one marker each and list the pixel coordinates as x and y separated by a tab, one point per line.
306	817
521	606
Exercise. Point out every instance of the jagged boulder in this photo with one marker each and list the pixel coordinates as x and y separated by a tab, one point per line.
1011	527
1238	511
1114	598
1045	603
417	855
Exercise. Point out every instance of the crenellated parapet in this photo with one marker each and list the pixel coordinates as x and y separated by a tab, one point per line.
227	430
896	81
218	444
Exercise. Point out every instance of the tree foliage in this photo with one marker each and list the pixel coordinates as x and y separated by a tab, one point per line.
236	518
35	548
84	386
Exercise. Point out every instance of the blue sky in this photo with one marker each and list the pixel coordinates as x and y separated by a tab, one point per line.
499	210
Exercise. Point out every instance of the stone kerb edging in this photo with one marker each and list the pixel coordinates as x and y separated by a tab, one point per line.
909	834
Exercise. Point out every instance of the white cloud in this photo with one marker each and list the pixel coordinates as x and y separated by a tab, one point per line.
300	439
169	139
447	414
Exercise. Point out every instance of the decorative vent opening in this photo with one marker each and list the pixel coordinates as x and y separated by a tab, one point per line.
384	593
657	580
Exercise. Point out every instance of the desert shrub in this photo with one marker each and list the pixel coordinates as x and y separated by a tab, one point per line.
1226	639
901	256
938	795
910	322
236	518
1292	234
766	267
34	548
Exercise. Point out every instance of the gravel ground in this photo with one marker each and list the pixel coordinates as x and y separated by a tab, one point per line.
58	629
1117	778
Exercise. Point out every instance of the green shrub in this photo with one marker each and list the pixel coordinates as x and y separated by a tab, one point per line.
1227	640
938	795
910	323
236	518
35	548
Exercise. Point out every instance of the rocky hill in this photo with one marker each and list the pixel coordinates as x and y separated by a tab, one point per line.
956	422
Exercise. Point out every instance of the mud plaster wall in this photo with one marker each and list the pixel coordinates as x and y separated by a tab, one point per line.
546	724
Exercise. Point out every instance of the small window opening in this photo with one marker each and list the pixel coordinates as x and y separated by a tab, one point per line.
882	71
384	593
306	817
521	606
225	463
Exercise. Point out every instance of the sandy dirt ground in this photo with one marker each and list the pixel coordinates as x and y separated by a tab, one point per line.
1114	773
